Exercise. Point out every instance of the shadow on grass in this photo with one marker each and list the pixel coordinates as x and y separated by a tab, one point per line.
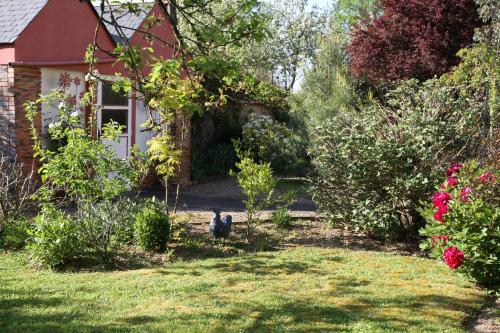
284	314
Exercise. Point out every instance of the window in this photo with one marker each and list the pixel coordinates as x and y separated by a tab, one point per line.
110	97
114	107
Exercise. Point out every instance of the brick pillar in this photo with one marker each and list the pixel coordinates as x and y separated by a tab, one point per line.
7	111
27	87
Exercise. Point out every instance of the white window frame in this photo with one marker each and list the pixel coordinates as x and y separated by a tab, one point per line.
128	135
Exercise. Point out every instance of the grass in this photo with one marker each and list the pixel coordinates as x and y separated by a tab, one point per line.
305	289
295	184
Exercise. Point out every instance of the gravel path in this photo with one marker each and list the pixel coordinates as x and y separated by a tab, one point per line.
199	200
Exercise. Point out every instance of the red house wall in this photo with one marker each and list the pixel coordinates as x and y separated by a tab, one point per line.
61	32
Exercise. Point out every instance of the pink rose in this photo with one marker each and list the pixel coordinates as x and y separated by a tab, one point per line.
464	193
487	177
451	182
443	209
441	198
453	169
453	257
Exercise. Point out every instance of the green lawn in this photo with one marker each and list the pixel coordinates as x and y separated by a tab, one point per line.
300	290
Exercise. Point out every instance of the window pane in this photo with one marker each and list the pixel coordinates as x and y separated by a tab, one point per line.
119	116
110	97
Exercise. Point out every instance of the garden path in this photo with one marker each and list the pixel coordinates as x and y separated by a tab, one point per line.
199	200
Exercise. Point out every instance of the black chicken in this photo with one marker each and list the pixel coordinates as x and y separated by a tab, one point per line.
220	228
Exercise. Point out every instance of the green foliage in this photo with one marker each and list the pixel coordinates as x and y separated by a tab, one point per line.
14	234
217	161
294	28
152	226
53	238
478	76
373	167
471	224
281	217
81	168
270	141
106	225
257	183
85	171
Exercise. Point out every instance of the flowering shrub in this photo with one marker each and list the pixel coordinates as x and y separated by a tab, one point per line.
272	142
463	223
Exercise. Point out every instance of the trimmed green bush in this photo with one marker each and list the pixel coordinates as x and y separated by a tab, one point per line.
152	227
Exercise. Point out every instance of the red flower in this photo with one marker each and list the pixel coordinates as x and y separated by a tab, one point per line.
453	169
443	209
453	257
441	198
464	193
487	177
436	239
452	181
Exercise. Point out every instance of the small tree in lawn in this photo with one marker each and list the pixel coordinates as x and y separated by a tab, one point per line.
257	183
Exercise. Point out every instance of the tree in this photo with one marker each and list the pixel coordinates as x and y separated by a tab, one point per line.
412	39
328	87
292	42
175	88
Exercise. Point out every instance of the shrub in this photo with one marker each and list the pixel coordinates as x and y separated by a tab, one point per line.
463	223
53	238
14	234
16	189
281	216
104	226
412	39
152	227
87	172
272	142
257	183
373	167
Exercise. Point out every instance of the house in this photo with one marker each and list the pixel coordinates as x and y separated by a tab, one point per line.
42	47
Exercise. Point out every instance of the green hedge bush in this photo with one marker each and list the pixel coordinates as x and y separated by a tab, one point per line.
152	227
373	166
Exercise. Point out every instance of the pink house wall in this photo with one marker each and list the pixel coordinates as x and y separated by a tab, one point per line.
7	54
61	32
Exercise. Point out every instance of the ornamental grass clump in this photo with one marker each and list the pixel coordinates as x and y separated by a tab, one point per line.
463	223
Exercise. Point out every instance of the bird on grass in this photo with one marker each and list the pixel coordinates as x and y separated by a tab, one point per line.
220	228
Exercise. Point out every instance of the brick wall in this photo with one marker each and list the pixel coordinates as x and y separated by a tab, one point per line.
7	110
27	87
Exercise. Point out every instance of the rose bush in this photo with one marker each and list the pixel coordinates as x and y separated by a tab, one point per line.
463	223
